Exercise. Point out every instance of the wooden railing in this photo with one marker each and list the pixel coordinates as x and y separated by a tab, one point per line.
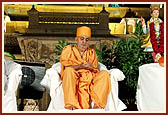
66	23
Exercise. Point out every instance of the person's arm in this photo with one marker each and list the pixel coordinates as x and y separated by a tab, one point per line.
145	31
87	66
76	67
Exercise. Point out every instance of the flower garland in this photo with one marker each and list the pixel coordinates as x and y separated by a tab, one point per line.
153	38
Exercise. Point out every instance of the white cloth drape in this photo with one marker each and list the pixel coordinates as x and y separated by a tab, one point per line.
53	85
151	91
12	76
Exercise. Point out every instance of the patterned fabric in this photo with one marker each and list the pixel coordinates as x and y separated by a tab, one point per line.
157	22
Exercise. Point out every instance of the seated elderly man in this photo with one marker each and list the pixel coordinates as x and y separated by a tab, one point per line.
82	81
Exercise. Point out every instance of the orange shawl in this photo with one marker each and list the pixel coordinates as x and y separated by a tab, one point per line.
71	56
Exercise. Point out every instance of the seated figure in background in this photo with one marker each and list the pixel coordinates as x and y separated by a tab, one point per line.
82	81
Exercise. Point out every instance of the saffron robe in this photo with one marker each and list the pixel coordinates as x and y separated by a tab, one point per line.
82	86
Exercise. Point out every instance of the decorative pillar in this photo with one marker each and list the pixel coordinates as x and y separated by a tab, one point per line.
33	17
104	21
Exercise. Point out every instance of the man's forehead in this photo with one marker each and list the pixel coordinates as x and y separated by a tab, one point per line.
156	10
85	36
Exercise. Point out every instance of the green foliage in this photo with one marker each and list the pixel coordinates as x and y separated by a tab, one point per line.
9	55
99	55
138	30
126	55
59	48
129	56
105	56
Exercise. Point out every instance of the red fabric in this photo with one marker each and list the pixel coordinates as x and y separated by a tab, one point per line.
153	38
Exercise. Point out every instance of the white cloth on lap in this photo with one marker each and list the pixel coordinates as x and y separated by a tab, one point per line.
115	104
53	85
151	91
13	73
